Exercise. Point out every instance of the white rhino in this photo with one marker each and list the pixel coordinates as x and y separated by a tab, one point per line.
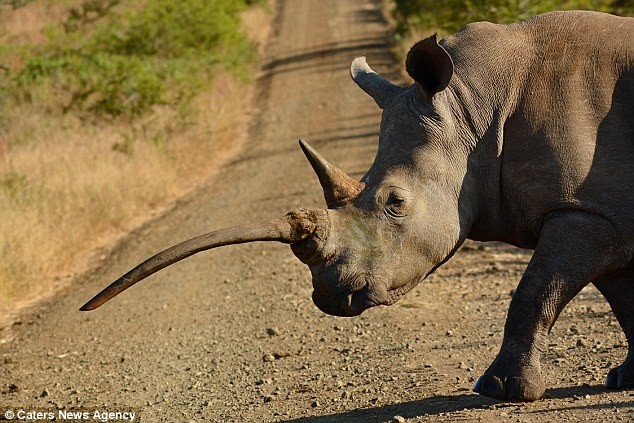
521	133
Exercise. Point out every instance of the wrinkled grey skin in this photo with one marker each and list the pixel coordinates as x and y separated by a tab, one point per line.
521	133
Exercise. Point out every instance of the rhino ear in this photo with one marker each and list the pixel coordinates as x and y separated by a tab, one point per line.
430	66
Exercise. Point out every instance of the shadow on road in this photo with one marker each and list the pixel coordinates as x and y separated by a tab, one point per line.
440	405
409	410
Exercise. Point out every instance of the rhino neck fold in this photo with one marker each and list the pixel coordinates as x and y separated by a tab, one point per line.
484	93
480	137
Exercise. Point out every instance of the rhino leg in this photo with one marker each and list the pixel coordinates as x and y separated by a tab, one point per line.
573	249
618	289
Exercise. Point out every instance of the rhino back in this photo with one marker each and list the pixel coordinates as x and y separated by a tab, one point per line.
561	90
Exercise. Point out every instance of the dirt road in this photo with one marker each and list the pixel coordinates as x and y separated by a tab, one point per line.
232	335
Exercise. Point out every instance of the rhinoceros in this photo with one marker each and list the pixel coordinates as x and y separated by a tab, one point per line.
521	133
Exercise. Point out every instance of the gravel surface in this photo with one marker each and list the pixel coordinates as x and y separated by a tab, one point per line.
232	335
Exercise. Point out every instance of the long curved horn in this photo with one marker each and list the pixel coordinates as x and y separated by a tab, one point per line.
294	227
338	187
379	88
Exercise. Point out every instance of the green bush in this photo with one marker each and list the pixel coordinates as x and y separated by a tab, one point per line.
112	63
448	16
14	3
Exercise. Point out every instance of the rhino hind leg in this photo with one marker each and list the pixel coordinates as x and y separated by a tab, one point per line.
618	290
573	249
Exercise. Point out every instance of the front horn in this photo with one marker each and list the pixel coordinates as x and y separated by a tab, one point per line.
338	187
293	228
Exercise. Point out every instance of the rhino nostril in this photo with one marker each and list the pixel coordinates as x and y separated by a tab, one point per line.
313	226
307	251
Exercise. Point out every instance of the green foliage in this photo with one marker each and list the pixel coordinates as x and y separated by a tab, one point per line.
171	29
106	62
88	12
14	3
449	16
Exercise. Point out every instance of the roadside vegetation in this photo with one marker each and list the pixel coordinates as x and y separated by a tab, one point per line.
413	17
109	109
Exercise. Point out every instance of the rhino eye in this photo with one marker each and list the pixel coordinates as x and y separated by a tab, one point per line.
394	205
395	200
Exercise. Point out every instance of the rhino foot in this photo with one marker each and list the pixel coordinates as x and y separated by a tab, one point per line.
510	388
621	377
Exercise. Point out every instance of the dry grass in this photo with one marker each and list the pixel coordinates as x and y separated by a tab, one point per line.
65	191
27	25
68	191
69	187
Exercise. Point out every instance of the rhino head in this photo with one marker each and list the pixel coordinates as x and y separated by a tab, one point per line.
389	231
381	236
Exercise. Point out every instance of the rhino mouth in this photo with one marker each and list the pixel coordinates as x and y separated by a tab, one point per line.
348	301
343	305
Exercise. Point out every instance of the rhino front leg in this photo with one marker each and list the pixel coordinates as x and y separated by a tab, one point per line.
573	249
618	289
